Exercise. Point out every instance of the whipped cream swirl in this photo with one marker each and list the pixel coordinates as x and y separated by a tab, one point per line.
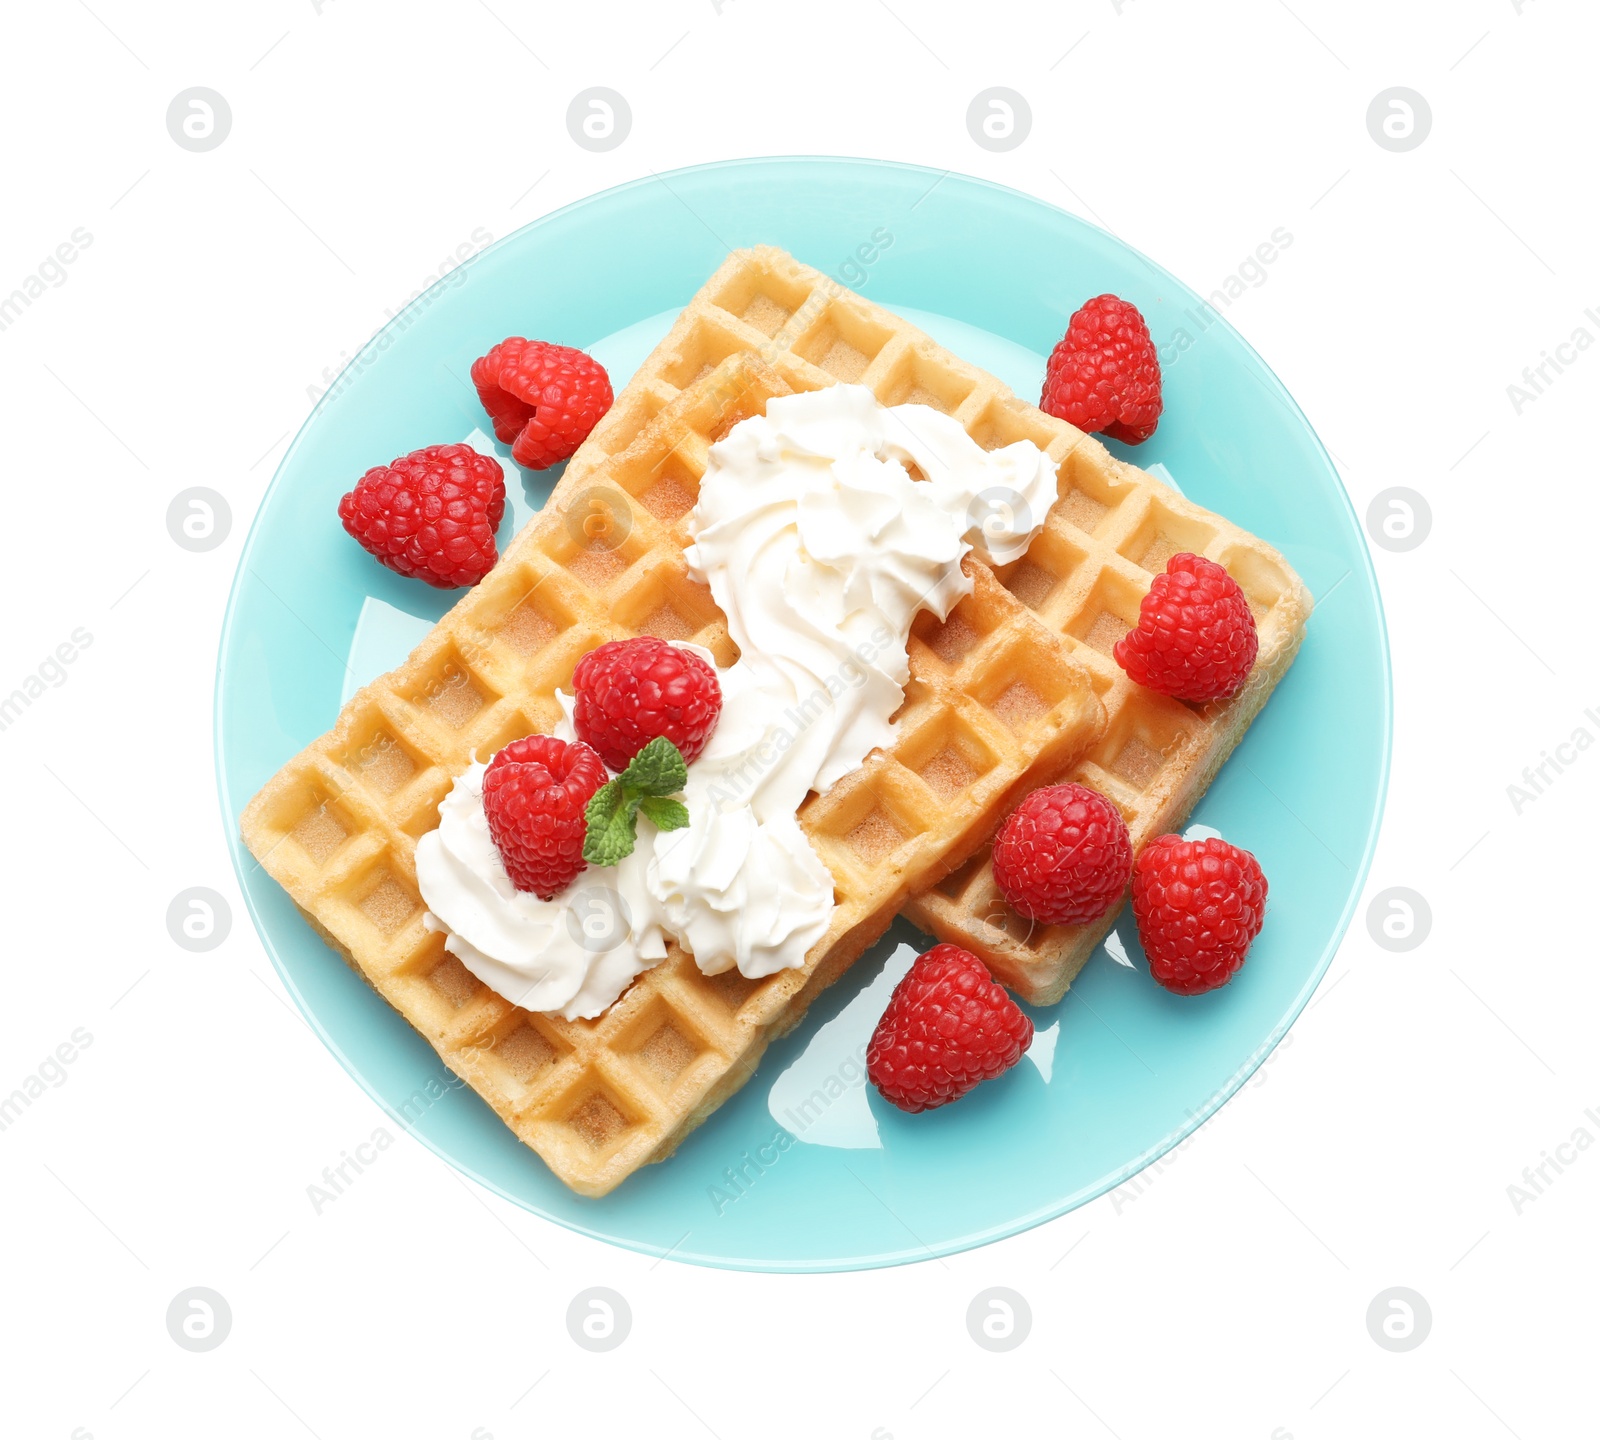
821	545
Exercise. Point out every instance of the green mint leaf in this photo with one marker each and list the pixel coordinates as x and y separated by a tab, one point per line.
658	769
664	814
609	818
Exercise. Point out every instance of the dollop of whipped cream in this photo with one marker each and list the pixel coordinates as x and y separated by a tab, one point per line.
821	546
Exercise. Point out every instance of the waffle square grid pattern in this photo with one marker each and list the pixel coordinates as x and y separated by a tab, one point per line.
1111	530
994	703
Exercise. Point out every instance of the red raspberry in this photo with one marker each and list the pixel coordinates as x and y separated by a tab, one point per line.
1063	856
544	399
1198	905
431	514
1104	374
1196	638
534	794
631	691
948	1028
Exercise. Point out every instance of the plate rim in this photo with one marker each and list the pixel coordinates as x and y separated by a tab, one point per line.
972	1239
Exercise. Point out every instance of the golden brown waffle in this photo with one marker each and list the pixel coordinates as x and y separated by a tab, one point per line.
994	701
1112	528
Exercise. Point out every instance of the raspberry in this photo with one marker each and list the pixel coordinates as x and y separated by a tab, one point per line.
534	794
1196	638
544	399
948	1028
1063	856
629	692
1198	905
1104	374
431	514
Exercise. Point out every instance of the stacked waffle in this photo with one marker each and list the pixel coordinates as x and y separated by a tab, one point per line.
995	705
1112	528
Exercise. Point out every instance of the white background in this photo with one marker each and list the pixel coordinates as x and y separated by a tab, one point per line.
1229	1297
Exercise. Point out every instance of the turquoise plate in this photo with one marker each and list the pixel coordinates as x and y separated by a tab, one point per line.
806	1169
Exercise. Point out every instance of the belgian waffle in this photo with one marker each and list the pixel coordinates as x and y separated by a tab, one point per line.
994	701
1111	529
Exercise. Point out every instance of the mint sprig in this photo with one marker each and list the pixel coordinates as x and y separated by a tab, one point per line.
653	776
